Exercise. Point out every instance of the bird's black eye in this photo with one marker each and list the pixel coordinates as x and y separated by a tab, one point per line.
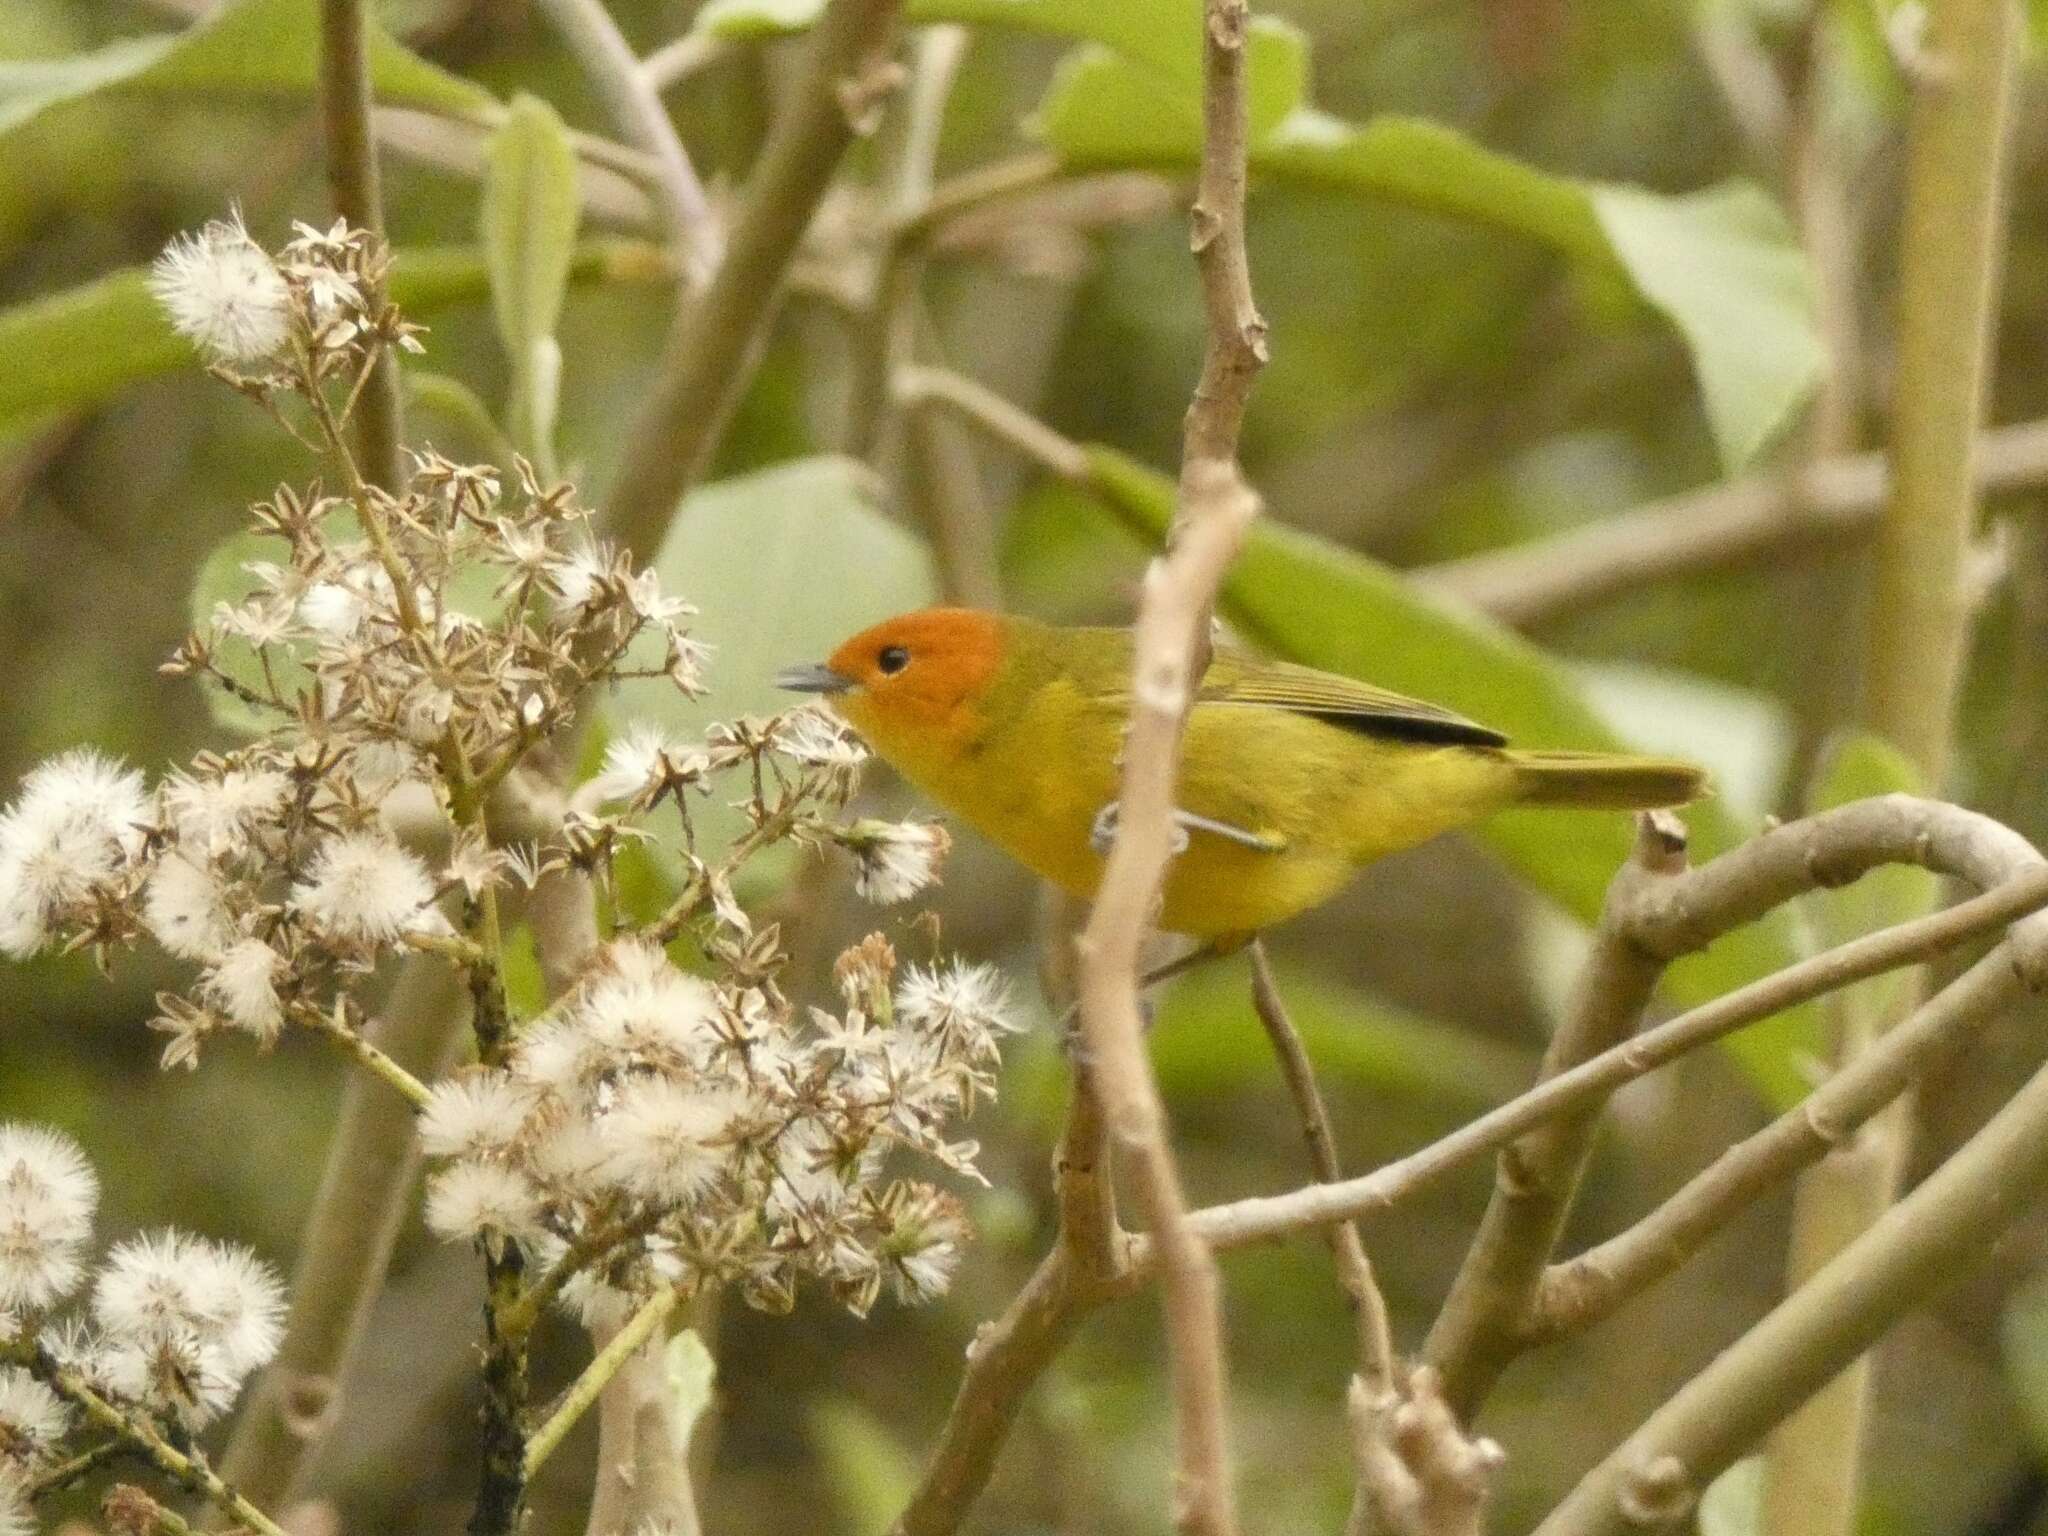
892	660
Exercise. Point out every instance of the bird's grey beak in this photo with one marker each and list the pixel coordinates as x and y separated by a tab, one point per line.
814	678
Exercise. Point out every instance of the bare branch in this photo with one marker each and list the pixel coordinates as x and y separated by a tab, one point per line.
1419	1473
1376	1367
633	102
718	335
1586	1289
1915	1249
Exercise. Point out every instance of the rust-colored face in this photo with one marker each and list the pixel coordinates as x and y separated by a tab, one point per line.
912	672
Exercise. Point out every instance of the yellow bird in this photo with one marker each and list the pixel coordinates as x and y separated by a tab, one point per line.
1290	778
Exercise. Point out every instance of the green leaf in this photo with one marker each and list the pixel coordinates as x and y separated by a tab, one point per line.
1723	266
740	20
251	47
1303	598
781	566
86	344
527	222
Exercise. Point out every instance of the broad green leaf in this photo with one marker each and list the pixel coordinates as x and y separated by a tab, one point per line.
1858	766
739	20
86	344
781	566
870	1476
527	222
248	47
1308	600
1723	266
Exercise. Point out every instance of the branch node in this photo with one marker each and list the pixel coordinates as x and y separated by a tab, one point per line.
863	94
1657	1493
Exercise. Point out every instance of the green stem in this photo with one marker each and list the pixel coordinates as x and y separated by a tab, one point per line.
352	182
584	1390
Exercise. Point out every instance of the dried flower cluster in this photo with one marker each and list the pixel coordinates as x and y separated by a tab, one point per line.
405	653
656	1129
172	1328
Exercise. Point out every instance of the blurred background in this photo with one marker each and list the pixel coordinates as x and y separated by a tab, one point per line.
1438	388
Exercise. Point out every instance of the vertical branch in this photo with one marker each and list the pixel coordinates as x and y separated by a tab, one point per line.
352	184
1948	288
365	1193
1171	649
1477	1332
1919	634
718	335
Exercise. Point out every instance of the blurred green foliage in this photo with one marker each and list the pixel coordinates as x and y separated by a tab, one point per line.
1523	270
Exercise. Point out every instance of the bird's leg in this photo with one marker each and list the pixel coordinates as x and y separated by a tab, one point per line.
1103	832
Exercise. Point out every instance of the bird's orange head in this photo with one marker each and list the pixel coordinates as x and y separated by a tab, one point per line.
918	673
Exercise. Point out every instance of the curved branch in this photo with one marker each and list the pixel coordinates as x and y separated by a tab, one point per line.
1910	1254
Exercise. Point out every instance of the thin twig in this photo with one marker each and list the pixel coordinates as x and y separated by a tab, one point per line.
604	1365
634	104
188	1471
352	184
1740	886
1376	1364
1583	1290
366	1051
1476	1333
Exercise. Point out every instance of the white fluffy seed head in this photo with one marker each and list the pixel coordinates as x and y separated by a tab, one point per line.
468	1201
363	887
16	1516
33	1419
223	293
217	817
645	1012
940	1000
241	1306
896	860
242	987
665	1140
174	1373
184	907
482	1115
79	817
48	1193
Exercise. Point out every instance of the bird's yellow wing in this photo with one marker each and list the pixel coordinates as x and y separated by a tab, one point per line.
1235	678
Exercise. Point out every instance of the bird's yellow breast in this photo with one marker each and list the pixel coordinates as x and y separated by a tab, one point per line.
1327	798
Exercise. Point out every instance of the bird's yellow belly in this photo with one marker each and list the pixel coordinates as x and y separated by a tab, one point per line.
1330	800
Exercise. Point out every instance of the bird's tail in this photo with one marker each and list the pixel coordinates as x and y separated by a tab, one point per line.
1604	780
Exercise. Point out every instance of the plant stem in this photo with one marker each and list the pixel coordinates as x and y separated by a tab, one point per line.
1376	1364
188	1471
352	183
365	1193
604	1365
630	97
1477	1332
718	334
370	1055
1919	1246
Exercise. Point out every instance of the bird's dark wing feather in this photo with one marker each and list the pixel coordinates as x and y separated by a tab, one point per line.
1238	679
